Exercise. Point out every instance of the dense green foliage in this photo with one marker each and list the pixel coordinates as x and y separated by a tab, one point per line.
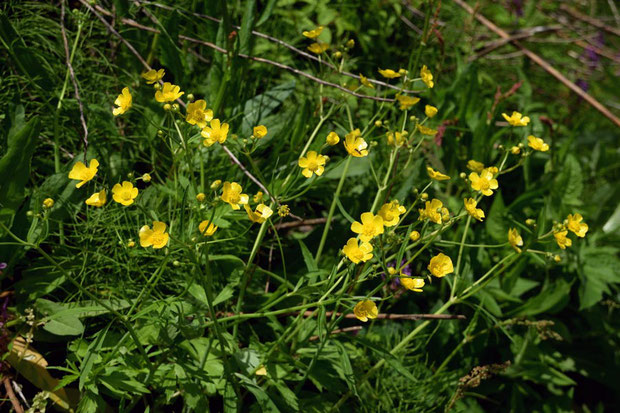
254	317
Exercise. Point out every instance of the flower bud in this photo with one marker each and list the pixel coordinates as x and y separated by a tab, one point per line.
176	263
131	244
515	150
160	133
175	107
167	107
146	178
530	222
156	86
350	43
557	258
48	203
201	197
424	196
378	123
216	184
463	175
337	55
190	97
402	72
414	236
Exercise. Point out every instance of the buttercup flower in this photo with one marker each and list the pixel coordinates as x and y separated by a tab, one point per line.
406	101
391	212
332	138
231	193
537	144
470	206
438	176
413	284
370	227
156	237
146	177
312	163
389	73
575	225
365	309
440	265
131	244
515	240
433	211
475	166
207	228
124	194
515	150
355	253
48	203
215	184
355	144
430	111
217	132
259	131
395	138
427	77
98	199
364	81
258	197
318	48
427	131
284	210
414	236
200	197
198	114
82	173
314	33
153	76
260	215
168	93
562	239
123	101
484	182
516	119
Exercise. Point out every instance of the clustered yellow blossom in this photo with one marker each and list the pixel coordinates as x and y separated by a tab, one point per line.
153	76
396	138
485	182
216	132
198	114
260	215
124	194
123	102
537	144
231	194
391	212
365	309
470	207
357	253
83	173
427	77
575	225
516	119
440	265
438	176
156	237
434	211
312	163
355	144
168	93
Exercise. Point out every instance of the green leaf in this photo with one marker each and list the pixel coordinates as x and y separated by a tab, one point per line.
247	25
262	105
267	405
569	183
495	223
554	296
601	268
59	324
224	295
311	264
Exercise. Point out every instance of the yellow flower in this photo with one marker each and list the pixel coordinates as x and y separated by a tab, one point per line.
82	173
516	119
284	210
433	211
562	240
48	203
389	73
364	80
259	131
153	76
215	133
438	176
484	182
406	101
575	225
260	215
332	138
396	138
124	194
355	144
475	166
207	228
168	93
318	48
123	101
365	309
515	239
427	131
427	77
200	197
414	236
430	111
515	150
470	206
312	163
262	371
370	227
537	144
146	177
356	253
231	193
156	237
215	184
314	33
98	199
413	284
258	197
440	265
198	114
131	244
391	212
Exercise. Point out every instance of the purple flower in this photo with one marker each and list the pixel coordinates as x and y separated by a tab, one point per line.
3	265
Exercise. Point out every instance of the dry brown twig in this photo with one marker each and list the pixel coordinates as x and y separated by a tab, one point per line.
9	392
542	63
590	20
72	75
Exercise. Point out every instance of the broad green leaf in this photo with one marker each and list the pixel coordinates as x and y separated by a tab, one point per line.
59	324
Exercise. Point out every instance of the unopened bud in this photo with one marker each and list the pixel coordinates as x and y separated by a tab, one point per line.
190	97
